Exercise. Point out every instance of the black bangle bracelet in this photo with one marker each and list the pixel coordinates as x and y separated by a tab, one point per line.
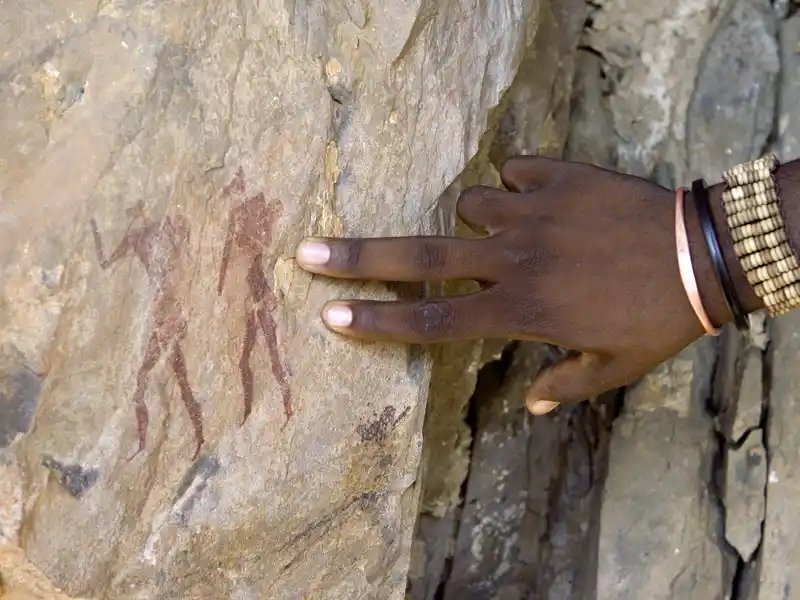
700	196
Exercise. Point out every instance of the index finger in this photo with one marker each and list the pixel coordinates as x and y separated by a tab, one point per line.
416	258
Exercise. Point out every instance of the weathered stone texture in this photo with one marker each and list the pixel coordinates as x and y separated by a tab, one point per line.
788	142
658	520
527	526
750	405
731	112
158	128
745	484
682	76
779	576
651	51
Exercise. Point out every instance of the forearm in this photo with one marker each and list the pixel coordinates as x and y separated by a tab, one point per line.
788	180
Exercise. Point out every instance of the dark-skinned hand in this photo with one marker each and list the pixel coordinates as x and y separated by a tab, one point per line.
574	256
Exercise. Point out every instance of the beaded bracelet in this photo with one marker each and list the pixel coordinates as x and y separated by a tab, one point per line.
761	241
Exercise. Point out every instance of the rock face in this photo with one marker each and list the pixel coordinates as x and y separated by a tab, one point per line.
528	526
658	521
677	106
692	506
744	495
176	423
781	546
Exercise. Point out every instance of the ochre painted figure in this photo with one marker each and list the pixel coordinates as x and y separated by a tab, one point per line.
158	245
250	227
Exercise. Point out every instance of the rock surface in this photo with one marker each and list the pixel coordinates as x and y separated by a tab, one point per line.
658	520
751	396
527	527
732	109
135	134
159	163
677	106
744	495
22	581
788	143
781	546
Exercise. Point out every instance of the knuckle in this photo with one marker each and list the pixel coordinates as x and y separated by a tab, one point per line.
429	257
512	169
366	317
432	319
478	205
532	260
470	203
474	194
348	254
532	315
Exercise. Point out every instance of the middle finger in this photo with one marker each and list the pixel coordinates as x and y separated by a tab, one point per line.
416	258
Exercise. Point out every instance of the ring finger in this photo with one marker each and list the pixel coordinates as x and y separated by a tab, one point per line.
471	316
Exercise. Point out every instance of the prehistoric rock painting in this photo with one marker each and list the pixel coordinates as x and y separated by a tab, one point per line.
158	245
250	226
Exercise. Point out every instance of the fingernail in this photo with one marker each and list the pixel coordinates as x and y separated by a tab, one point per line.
313	253
338	315
542	407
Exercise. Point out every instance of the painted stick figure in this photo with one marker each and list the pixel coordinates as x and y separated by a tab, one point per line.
158	246
250	227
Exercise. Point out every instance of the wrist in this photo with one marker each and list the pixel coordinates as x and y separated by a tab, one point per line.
708	281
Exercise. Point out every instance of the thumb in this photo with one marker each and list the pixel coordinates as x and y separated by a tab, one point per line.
574	379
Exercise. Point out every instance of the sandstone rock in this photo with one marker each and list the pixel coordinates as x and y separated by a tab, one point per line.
745	484
22	581
19	396
431	553
731	112
591	137
750	401
781	8
759	335
496	497
737	401
780	548
677	106
136	136
659	518
651	52
788	143
527	527
530	122
781	544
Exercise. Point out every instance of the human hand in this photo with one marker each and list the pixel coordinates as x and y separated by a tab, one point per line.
575	256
